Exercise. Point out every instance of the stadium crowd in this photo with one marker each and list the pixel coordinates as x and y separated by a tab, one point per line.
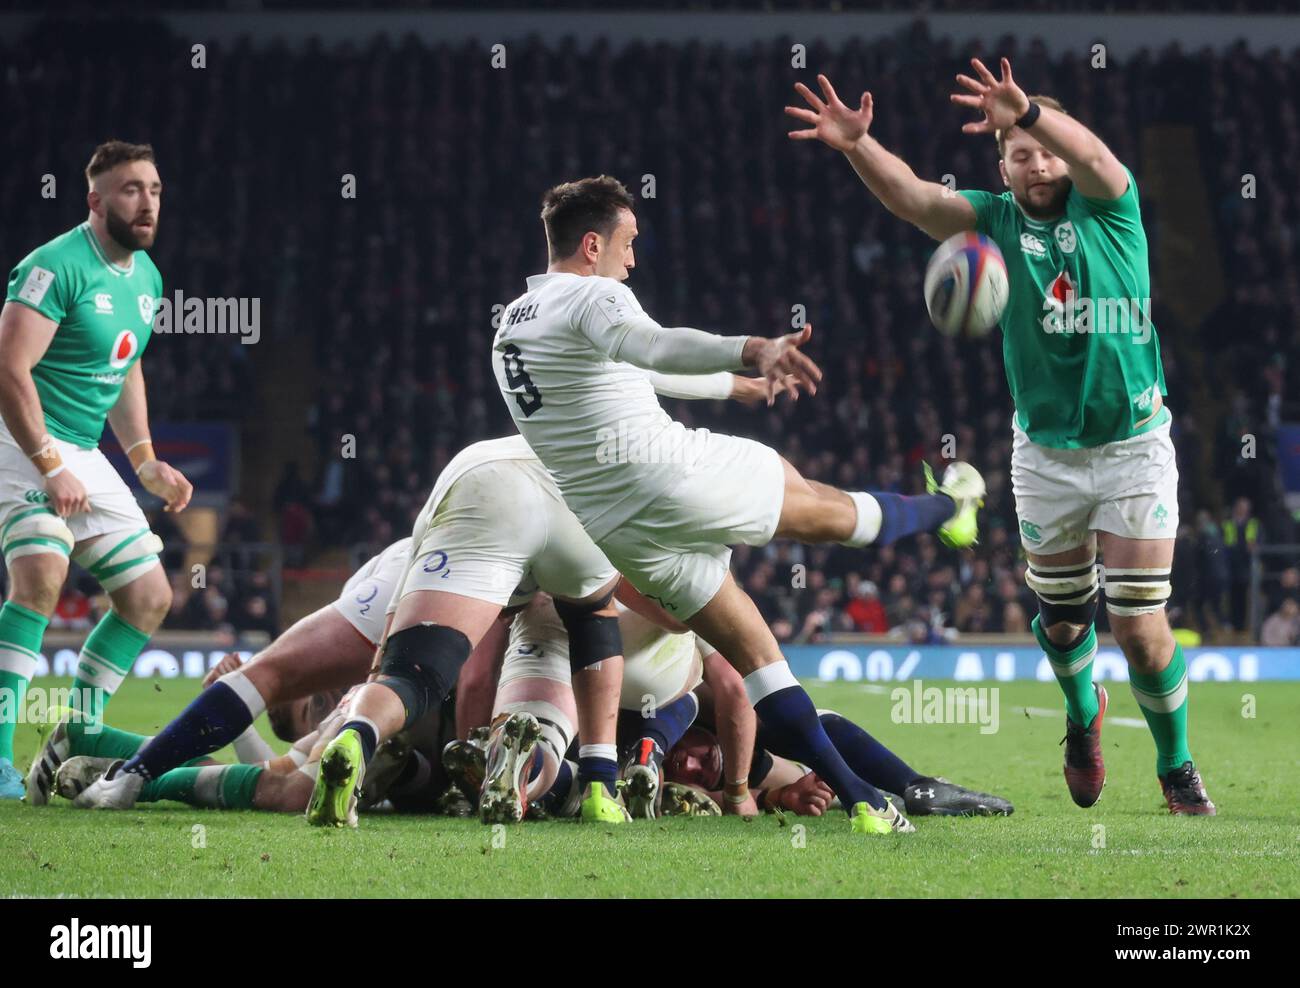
392	296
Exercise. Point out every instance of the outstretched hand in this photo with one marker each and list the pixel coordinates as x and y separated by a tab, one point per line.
832	122
1000	100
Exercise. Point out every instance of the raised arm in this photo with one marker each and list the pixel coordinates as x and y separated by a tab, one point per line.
932	207
1093	167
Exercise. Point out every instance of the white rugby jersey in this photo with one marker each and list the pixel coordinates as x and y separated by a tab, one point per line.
593	419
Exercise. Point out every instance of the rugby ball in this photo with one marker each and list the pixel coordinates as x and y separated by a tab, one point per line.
966	285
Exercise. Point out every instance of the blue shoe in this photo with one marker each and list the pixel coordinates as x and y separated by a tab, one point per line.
11	781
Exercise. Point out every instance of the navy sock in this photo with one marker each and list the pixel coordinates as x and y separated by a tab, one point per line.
369	742
792	730
868	757
213	720
901	515
666	727
560	789
592	768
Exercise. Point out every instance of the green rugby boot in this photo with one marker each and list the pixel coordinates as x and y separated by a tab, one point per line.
598	806
963	483
342	768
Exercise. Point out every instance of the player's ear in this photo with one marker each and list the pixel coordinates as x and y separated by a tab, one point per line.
1002	169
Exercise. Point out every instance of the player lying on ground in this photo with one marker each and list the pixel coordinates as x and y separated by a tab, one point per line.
263	781
328	650
669	678
1092	464
664	502
77	316
407	771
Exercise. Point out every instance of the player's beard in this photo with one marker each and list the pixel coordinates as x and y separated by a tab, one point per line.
1054	206
124	233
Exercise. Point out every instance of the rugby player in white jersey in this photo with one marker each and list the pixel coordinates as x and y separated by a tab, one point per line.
665	502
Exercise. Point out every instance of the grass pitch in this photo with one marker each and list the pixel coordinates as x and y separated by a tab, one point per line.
1125	846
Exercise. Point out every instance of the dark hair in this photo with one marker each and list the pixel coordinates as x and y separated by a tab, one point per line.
110	154
574	209
280	717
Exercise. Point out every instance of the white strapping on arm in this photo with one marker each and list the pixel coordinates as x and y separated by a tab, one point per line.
693	386
250	748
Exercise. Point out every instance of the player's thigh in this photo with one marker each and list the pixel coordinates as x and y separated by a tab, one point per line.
734	494
567	563
29	528
463	570
732	623
1137	486
364	600
471	616
1054	501
682	581
1078	555
812	511
322	651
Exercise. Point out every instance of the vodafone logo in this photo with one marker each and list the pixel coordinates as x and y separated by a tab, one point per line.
125	347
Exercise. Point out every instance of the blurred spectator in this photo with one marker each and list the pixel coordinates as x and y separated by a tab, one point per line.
1283	626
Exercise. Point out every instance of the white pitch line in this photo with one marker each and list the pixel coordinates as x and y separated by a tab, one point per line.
1045	712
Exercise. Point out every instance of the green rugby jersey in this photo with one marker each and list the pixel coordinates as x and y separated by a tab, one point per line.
1081	354
105	316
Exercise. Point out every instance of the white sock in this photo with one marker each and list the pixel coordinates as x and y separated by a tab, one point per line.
606	751
246	691
869	519
766	680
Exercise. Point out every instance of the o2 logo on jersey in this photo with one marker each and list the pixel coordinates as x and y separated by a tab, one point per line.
365	601
125	347
437	563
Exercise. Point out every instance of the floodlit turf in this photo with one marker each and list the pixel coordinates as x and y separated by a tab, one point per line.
1125	846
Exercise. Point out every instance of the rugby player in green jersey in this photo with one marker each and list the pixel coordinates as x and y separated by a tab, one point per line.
77	315
1092	463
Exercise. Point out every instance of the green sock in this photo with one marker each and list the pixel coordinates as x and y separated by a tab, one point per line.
98	740
105	659
225	787
1163	699
1073	671
21	632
